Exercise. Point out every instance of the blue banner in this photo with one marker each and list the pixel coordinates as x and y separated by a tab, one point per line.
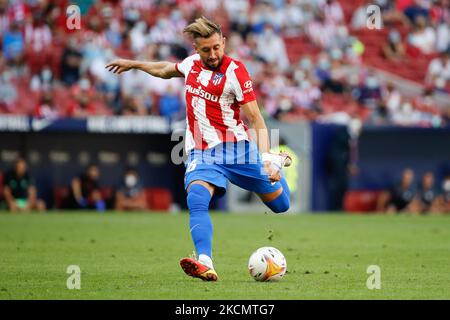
100	124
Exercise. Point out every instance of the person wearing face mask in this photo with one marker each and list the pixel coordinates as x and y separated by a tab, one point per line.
131	195
394	49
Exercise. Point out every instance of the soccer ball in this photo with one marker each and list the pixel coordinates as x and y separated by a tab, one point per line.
267	264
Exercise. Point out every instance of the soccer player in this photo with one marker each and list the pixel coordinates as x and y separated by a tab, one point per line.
218	144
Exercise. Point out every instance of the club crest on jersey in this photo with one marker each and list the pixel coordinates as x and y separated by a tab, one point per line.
217	79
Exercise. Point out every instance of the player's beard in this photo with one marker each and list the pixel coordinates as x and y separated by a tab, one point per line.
214	64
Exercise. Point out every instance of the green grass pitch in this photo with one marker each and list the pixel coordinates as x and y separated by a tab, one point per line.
135	256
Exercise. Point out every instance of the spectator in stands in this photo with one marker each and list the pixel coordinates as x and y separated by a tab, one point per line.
322	32
19	189
13	45
264	13
425	102
239	17
131	195
427	195
133	106
333	11
391	16
415	10
393	49
271	47
149	30
70	63
170	104
337	73
112	25
438	73
38	41
85	191
4	17
8	92
295	17
42	81
440	12
83	105
400	198
391	97
401	5
47	108
306	94
369	92
423	37
407	115
440	19
322	68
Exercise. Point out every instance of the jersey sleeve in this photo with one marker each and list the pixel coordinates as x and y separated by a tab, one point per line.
243	85
185	66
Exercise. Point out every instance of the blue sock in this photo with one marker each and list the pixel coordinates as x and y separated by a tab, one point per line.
198	200
282	202
100	205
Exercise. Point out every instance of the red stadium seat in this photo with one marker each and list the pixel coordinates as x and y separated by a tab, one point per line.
360	201
60	194
158	199
107	193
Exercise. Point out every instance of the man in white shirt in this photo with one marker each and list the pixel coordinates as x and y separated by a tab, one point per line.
438	73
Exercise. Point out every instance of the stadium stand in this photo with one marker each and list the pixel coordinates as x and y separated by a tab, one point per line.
151	30
309	60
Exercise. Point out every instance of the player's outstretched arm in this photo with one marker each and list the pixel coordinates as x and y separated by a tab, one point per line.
160	69
257	123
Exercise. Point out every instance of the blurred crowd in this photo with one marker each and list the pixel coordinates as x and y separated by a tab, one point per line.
19	191
411	197
302	55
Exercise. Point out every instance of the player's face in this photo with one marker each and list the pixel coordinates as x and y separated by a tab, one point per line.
211	50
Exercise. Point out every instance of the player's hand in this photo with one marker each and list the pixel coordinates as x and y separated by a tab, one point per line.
273	163
120	65
272	171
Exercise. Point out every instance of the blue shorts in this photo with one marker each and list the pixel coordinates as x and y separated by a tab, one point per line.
237	162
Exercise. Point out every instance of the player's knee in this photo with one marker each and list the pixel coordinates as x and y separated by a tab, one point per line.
284	205
280	204
198	198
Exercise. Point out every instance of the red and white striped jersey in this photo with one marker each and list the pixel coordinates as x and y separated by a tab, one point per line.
213	100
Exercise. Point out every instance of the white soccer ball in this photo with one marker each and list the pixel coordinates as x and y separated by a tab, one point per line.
267	264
